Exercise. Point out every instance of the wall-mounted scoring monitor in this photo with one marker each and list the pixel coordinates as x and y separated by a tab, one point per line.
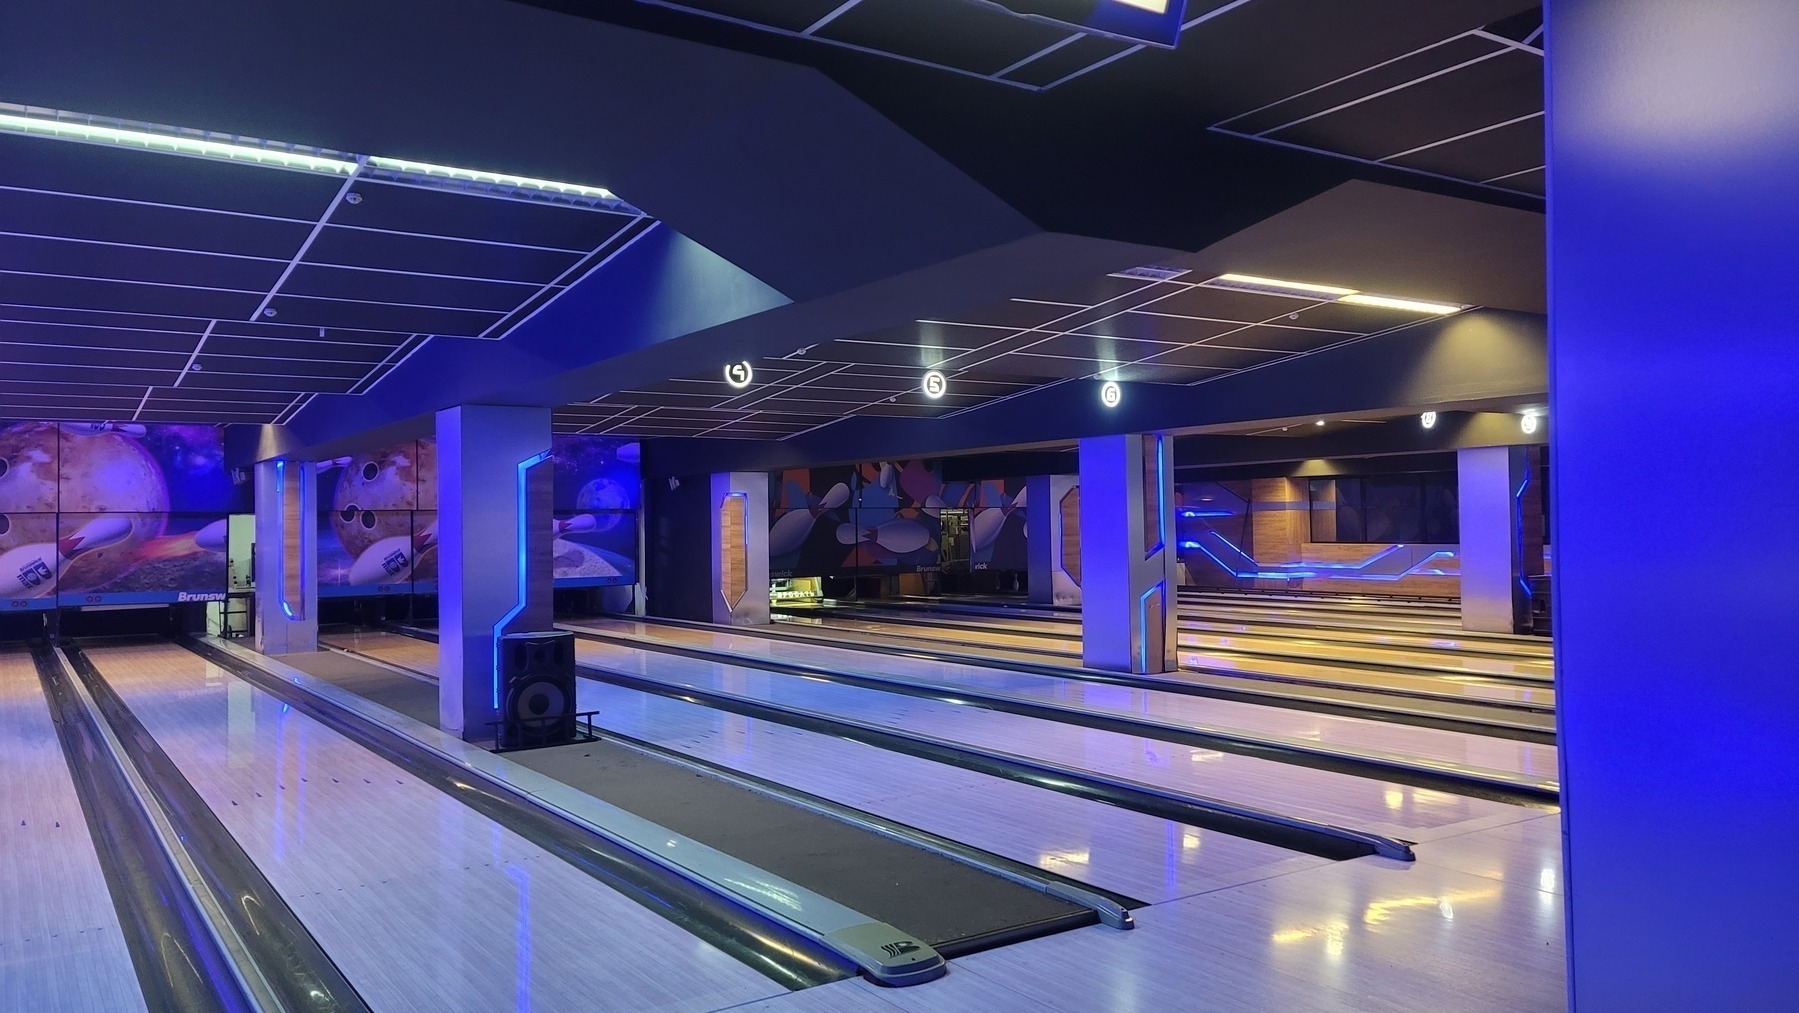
1153	22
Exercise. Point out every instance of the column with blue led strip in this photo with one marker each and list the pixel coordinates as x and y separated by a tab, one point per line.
1127	555
1501	524
287	583
1674	373
495	530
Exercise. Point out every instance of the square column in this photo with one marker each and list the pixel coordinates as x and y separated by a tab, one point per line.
1052	527
739	525
1502	536
495	529
1127	569
287	552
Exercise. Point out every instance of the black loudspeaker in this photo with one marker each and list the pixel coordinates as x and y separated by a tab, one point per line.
537	689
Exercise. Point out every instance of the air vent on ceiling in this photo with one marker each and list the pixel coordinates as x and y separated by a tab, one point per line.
1151	273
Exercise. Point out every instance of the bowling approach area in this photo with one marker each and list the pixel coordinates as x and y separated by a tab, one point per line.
874	506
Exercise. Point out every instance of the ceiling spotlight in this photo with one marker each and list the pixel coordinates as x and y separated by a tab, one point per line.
1319	422
1110	394
1429	419
935	383
352	198
270	312
1528	423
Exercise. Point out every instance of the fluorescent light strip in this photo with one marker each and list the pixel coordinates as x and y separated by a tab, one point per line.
67	126
1388	302
499	179
1331	293
173	142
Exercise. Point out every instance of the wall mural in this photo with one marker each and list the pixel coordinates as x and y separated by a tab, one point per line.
378	530
885	517
107	513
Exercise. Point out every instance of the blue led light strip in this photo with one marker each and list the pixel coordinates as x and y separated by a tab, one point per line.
499	628
281	557
1143	623
1518	512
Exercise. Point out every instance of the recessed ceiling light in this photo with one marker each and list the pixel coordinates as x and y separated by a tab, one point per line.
1319	422
1388	302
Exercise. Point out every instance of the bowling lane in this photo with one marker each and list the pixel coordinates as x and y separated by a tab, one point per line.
61	947
1198	666
1507	760
422	903
1234	648
1325	796
1112	848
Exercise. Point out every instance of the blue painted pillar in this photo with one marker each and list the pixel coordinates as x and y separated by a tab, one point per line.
1674	381
1502	536
287	551
1127	553
494	556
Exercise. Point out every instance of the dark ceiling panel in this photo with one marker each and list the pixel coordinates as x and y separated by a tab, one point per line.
326	351
360	315
1215	357
268	366
921	356
113	222
300	332
1283	339
1498	152
425	255
1358	86
1149	372
1244	307
103	171
387	286
1159	327
1082	52
95	318
1534	181
13	332
1037	366
1100	290
788	15
92	373
133	298
9	385
1493	91
473	216
951	33
14	402
93	260
1015	313
116	357
266	382
1098	351
170	397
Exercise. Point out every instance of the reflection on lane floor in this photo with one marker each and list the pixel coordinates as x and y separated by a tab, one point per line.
1507	758
423	903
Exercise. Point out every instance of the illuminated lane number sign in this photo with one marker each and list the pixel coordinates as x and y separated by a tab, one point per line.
935	384
739	374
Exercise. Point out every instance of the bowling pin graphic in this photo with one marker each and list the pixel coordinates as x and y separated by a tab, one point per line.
212	536
390	560
987	524
582	522
31	571
894	538
791	531
96	428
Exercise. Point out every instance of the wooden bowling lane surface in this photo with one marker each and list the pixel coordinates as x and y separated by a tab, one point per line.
61	947
1108	847
423	903
1505	758
1242	650
1483	690
1326	796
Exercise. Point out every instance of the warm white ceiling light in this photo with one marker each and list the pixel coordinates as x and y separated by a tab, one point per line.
1388	302
1319	422
1326	293
1277	286
1153	6
173	141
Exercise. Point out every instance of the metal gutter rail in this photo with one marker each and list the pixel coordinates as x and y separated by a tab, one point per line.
788	932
